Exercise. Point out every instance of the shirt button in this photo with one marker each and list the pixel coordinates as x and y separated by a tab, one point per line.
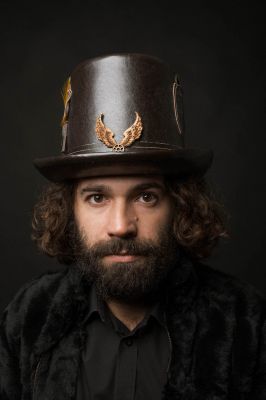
129	342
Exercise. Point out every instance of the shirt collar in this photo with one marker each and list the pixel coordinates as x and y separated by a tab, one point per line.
97	306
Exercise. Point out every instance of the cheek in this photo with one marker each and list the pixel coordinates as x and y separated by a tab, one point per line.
83	220
88	222
153	223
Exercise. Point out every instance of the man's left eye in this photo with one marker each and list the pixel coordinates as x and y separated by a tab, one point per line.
147	197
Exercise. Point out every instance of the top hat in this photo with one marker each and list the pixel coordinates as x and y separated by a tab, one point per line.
123	115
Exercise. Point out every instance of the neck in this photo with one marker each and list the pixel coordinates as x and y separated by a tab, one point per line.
130	314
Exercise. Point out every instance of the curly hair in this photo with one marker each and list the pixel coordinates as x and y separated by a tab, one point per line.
199	221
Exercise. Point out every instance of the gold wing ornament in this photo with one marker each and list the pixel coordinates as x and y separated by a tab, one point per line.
106	136
66	94
132	133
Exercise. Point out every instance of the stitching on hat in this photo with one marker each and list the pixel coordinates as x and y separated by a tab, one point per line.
138	147
175	85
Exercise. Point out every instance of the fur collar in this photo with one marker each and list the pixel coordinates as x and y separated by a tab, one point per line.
202	308
69	308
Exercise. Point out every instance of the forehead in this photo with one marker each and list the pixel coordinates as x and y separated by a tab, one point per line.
120	180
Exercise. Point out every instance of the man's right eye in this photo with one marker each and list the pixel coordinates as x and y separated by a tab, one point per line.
95	198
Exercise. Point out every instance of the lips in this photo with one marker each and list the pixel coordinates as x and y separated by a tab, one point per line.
122	257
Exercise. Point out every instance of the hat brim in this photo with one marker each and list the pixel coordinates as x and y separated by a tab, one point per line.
181	163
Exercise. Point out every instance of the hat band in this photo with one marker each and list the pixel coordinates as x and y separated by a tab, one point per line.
94	147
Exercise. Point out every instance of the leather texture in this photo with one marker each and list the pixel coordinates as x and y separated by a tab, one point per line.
119	86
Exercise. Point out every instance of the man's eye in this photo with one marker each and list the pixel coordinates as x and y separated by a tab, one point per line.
95	198
147	197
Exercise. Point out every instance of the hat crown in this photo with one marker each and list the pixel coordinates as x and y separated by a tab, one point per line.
123	111
119	87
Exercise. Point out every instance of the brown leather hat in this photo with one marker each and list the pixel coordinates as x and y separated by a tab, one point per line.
123	112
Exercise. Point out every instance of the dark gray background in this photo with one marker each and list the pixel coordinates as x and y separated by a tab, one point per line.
218	50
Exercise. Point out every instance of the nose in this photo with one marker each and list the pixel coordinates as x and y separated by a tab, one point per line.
122	222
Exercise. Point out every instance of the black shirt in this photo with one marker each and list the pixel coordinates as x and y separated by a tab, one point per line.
119	364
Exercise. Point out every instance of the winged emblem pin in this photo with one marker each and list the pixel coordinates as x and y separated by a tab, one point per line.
66	94
106	136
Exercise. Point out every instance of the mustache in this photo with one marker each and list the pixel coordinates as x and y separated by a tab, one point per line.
123	246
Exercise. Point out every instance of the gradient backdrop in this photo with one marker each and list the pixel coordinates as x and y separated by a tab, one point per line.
218	50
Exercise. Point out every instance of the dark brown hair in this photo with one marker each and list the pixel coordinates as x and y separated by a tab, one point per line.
199	222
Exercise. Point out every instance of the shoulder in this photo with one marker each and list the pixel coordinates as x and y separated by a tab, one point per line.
225	290
34	297
45	284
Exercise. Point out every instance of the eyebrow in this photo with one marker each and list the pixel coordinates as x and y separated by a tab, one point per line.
96	188
139	187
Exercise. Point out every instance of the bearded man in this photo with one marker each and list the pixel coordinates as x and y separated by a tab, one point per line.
135	314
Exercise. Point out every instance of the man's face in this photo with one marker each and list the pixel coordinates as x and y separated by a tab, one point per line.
125	233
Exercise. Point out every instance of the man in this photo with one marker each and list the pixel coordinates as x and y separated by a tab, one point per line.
135	314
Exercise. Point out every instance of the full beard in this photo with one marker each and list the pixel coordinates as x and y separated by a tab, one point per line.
143	280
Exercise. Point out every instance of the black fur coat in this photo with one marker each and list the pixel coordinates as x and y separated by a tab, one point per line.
217	327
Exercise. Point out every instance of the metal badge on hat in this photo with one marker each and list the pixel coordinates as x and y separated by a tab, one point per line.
66	94
106	136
